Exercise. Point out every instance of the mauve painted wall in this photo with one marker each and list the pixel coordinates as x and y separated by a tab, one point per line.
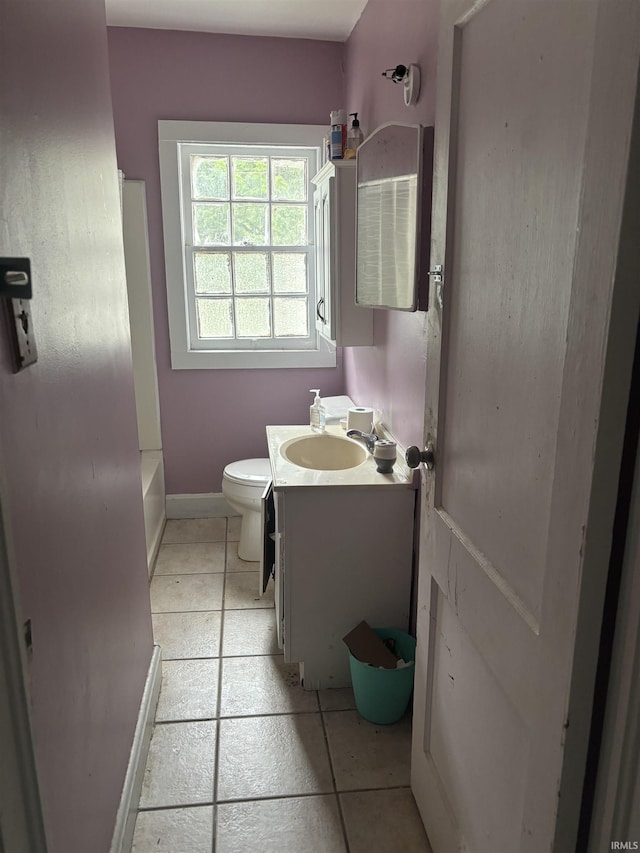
69	464
212	417
391	374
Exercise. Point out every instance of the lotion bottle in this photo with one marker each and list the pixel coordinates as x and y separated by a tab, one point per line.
317	412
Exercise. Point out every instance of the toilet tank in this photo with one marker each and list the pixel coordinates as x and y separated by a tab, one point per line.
337	408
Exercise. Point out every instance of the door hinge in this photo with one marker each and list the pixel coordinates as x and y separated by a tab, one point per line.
436	273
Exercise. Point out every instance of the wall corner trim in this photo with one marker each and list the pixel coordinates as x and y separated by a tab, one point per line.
132	787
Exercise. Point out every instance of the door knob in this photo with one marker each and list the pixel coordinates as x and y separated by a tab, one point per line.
414	456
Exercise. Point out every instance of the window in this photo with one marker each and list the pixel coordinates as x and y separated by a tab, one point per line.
237	206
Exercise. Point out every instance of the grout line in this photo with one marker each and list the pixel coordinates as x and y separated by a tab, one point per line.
175	806
268	797
256	716
237	716
257	655
184	660
171	612
230	657
309	794
187	544
333	777
216	763
183	574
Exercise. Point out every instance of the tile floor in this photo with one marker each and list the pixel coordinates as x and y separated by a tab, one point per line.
243	759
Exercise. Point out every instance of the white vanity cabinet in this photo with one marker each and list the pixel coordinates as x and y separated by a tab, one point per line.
343	554
338	318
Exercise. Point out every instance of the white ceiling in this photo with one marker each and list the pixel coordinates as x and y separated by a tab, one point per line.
332	20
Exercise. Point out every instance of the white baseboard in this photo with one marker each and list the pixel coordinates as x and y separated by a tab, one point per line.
212	505
128	808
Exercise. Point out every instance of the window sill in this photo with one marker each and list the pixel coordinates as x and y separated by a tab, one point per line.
324	356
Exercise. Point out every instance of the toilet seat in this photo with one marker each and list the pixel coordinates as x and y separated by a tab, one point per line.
249	472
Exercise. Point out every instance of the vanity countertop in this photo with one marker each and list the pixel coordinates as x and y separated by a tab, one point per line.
287	475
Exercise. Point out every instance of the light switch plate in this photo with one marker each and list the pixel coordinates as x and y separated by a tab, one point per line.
21	333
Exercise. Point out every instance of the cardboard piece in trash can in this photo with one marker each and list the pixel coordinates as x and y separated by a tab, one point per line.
367	647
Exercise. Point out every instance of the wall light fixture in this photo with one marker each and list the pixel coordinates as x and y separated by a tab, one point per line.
409	76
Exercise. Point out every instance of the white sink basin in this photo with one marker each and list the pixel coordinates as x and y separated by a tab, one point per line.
324	452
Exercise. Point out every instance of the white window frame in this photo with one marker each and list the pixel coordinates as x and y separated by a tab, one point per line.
183	356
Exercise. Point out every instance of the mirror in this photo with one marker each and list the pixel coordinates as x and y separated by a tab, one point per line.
392	246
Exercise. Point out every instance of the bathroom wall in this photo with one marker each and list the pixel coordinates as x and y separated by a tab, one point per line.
391	374
69	470
211	417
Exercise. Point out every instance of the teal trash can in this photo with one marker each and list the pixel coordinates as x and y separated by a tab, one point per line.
382	695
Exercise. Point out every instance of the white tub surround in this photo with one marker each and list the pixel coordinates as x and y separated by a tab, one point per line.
205	505
143	355
152	475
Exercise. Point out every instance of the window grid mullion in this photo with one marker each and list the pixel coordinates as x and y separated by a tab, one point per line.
234	319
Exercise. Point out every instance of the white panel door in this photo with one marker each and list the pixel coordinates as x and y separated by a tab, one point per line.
527	229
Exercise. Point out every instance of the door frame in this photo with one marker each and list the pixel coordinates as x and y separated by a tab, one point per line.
21	817
616	805
605	251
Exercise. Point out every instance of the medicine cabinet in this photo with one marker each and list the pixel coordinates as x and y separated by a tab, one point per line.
338	318
394	177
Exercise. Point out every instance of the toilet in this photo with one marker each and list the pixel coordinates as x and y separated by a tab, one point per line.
243	484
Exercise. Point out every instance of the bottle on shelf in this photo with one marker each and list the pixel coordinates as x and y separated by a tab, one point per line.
338	134
355	136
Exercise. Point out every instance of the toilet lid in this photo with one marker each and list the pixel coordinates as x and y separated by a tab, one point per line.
256	471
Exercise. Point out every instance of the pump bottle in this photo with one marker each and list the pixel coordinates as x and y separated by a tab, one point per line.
317	412
355	137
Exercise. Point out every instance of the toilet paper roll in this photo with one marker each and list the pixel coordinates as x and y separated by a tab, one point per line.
360	417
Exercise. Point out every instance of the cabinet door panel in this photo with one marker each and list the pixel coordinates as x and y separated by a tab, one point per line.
319	263
279	567
268	530
329	259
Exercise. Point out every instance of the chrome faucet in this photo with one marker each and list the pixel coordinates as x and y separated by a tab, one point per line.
369	438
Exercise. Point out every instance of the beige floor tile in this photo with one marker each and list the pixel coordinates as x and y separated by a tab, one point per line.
263	685
337	699
188	635
185	593
273	757
173	830
241	591
192	558
180	530
309	824
180	766
249	632
383	822
365	755
189	690
234	523
235	564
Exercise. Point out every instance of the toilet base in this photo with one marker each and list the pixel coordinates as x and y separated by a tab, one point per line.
250	545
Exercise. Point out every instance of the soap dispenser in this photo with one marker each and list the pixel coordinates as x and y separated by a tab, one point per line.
317	412
355	136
